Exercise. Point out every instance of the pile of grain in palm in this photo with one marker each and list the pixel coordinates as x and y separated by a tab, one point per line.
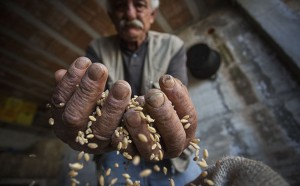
84	136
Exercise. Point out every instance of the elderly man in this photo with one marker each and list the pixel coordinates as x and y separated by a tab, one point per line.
141	58
157	126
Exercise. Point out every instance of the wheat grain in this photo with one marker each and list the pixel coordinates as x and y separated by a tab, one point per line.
92	145
142	138
145	173
51	121
75	166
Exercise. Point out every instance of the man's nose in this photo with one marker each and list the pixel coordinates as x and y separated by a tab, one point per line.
131	12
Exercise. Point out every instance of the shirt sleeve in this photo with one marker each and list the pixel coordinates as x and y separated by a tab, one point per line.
92	55
177	67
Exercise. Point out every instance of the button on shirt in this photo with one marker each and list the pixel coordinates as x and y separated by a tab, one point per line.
133	66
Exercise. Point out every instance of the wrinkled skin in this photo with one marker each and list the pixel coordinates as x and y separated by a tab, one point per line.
80	103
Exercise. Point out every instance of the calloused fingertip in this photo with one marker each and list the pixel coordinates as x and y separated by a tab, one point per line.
132	118
82	62
121	90
97	71
167	81
155	98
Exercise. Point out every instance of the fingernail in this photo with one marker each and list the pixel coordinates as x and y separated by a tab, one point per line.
95	72
156	100
141	100
82	63
168	81
120	90
132	119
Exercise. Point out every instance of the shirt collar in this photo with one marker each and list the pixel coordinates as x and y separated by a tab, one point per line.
127	51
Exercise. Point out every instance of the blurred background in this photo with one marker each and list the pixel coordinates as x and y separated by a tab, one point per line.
247	93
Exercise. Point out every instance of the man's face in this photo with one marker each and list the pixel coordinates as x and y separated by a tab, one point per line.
132	18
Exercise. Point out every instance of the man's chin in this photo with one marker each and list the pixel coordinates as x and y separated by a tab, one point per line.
132	34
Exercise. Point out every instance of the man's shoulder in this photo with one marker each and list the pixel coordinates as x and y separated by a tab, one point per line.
165	40
106	40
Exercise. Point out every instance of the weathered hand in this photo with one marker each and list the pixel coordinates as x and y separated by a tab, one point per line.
169	134
74	100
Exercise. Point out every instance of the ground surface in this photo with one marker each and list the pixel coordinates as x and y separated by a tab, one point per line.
252	108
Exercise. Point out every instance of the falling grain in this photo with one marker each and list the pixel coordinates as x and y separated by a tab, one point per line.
202	163
156	168
126	176
172	183
136	160
142	115
184	121
92	145
209	182
90	136
113	181
51	121
142	138
119	146
86	157
149	119
75	166
186	117
125	143
108	171
152	129
126	155
61	105
139	108
153	146
98	111
92	118
158	145
152	156
205	154
129	182
161	155
196	141
80	155
75	181
73	173
186	126
101	180
117	134
145	173
204	174
89	124
152	137
165	170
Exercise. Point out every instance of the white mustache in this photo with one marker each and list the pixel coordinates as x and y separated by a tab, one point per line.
136	23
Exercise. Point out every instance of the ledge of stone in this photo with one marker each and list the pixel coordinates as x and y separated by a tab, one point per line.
280	25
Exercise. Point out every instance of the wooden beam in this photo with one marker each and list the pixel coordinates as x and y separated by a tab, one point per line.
163	22
73	17
27	63
25	77
23	89
31	19
102	4
25	42
193	7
